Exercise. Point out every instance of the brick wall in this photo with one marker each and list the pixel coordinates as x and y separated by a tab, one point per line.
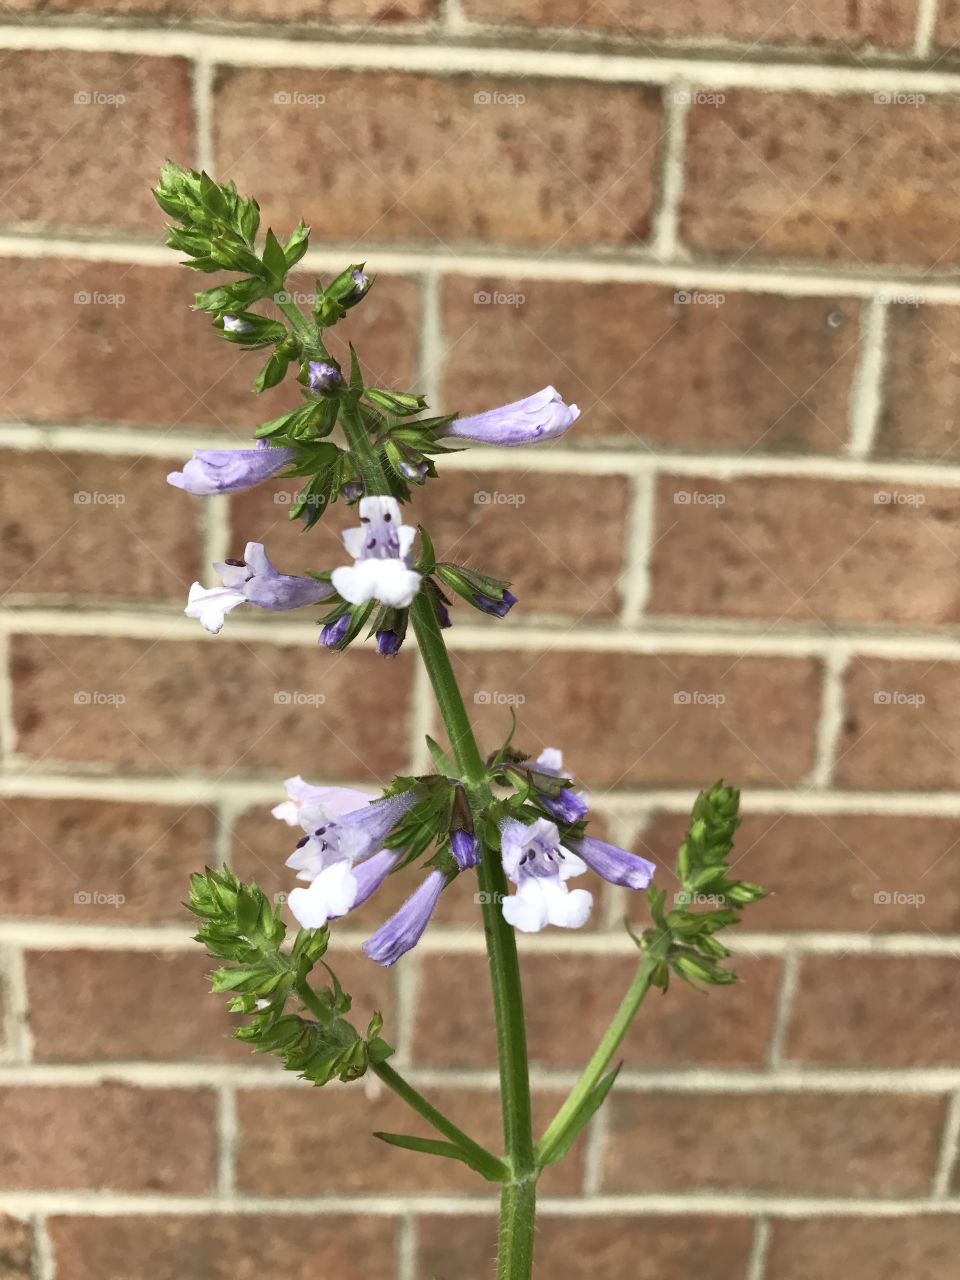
730	232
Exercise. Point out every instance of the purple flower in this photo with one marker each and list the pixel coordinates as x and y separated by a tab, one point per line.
465	848
388	643
614	864
537	864
415	471
233	324
333	632
339	888
355	835
499	608
323	376
381	552
352	490
252	580
230	470
569	806
542	416
404	929
338	800
361	283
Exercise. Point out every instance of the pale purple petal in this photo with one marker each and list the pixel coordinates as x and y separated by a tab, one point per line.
614	864
542	416
212	471
405	929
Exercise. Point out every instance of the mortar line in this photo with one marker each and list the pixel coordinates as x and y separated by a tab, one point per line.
202	70
949	1148
432	348
759	1250
676	104
8	727
783	1011
407	1246
830	723
926	27
594	1152
420	721
406	978
866	397
227	1131
44	1263
19	1038
445	59
638	552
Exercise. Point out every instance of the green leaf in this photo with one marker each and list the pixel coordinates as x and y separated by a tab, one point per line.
297	245
493	1170
440	758
274	259
591	1104
272	373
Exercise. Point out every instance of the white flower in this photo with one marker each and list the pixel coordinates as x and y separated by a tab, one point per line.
538	865
212	604
381	552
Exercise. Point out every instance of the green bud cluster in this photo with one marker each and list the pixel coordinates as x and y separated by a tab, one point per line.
682	939
242	927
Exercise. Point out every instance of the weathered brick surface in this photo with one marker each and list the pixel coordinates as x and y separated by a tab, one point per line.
651	365
77	524
825	22
513	524
171	721
372	13
113	1137
603	1247
16	1249
335	1150
834	178
619	722
922	1247
224	1247
421	159
85	133
775	1142
136	353
948	24
921	384
119	1005
900	729
568	1008
806	551
848	872
76	859
884	1011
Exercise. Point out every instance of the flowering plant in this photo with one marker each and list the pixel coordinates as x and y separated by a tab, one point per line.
516	824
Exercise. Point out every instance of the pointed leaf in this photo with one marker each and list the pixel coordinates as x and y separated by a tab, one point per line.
592	1103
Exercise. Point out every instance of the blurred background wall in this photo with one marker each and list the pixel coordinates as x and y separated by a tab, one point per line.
731	233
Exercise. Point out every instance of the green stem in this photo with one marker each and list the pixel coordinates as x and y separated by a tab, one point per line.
518	1197
608	1046
301	325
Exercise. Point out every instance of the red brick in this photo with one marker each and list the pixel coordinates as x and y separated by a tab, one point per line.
372	13
834	178
923	1248
773	1143
616	718
683	365
900	729
850	872
149	359
334	1150
921	383
948	24
397	157
513	524
825	22
89	163
157	1006
224	1247
16	1249
113	1137
209	704
877	1011
69	858
605	1248
806	551
87	525
570	1000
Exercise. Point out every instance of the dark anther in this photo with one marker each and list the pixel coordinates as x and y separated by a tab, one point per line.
237	564
302	841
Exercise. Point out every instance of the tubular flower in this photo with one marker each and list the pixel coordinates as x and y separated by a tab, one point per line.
542	416
569	806
405	928
230	470
252	580
340	856
381	552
